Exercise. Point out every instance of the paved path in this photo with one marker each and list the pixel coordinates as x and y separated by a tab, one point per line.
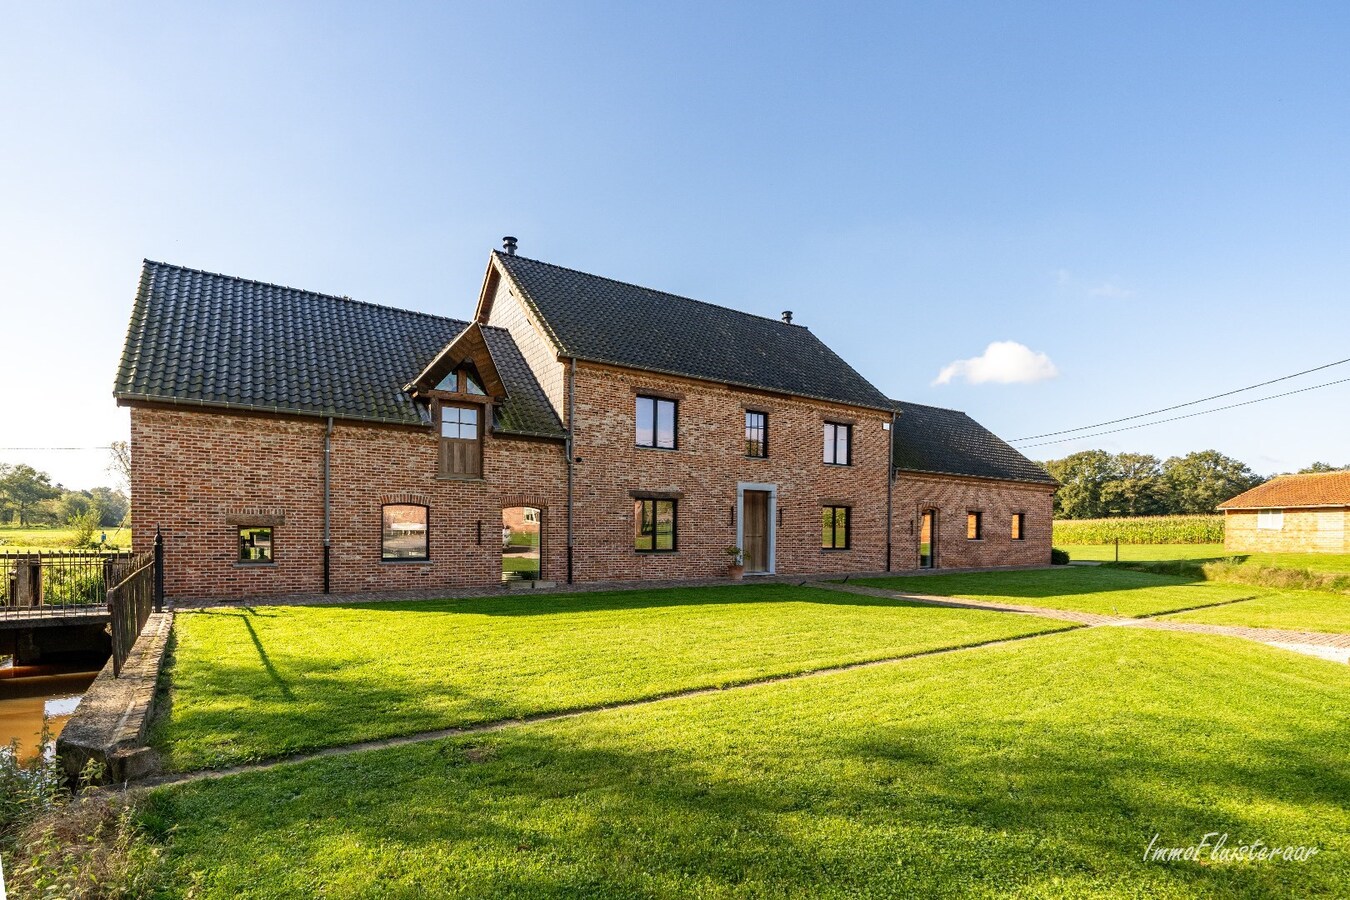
1335	647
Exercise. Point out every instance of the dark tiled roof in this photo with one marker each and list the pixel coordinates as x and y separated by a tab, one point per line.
1292	491
949	442
201	338
606	321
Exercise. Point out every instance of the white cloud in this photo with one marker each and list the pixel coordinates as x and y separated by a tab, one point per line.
1003	362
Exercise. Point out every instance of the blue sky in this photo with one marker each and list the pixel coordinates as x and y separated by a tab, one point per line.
1155	197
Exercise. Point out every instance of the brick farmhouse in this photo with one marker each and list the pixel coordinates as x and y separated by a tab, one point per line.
285	441
1290	514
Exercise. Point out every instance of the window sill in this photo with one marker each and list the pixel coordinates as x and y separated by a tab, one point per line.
468	478
838	465
255	565
405	562
749	456
662	449
656	553
835	549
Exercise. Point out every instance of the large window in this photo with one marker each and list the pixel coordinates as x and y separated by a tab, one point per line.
1270	519
255	544
756	434
1019	522
656	423
461	444
654	526
404	532
838	444
834	527
974	526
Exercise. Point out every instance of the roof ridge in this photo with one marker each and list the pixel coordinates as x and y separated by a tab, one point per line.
643	287
286	287
931	406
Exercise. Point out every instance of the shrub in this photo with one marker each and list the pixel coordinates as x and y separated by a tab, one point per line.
1059	557
1141	530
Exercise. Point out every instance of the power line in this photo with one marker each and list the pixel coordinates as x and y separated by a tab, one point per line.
1203	412
1155	412
17	449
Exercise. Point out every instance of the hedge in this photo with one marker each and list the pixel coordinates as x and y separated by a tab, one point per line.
1141	530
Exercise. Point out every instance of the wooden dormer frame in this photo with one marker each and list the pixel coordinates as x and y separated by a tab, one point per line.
468	346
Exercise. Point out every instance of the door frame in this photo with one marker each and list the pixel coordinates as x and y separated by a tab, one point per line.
932	538
772	491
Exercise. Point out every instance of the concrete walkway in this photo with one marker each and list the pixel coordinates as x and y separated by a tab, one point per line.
1335	647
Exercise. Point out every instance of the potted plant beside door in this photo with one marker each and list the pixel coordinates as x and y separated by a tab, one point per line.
736	570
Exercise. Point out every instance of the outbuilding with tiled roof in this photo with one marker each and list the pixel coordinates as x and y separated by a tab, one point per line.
1291	514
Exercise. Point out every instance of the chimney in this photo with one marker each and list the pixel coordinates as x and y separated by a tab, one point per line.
787	316
509	245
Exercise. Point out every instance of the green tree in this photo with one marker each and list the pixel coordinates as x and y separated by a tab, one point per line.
1136	486
73	504
1082	477
25	487
1199	482
1319	467
111	504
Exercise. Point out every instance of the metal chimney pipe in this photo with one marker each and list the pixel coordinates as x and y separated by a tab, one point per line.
787	316
509	245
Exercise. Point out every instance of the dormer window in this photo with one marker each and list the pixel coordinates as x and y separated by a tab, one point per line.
463	380
461	452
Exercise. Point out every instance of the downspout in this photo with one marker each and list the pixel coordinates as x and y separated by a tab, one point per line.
890	485
327	505
571	454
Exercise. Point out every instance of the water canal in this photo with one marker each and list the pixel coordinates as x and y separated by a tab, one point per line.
28	694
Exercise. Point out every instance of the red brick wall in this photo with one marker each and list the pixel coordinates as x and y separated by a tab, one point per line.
1303	531
953	497
193	472
706	467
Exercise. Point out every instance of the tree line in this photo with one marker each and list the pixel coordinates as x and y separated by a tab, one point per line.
1096	484
28	497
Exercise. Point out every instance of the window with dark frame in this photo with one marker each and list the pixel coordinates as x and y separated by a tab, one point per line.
255	544
756	434
655	423
974	526
1018	526
654	526
834	527
403	534
461	453
838	444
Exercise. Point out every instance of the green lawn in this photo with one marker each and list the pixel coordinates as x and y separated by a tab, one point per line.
1083	588
1037	769
267	681
1143	552
1292	610
1326	563
29	540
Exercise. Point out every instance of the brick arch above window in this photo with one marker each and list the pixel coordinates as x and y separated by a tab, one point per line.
513	501
409	498
255	515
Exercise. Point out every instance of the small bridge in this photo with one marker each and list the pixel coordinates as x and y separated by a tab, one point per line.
12	618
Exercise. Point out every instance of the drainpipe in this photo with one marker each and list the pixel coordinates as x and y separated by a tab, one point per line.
571	454
890	485
327	504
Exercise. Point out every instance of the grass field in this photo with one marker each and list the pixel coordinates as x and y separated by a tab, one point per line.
1116	592
25	540
1326	563
1290	610
913	779
251	683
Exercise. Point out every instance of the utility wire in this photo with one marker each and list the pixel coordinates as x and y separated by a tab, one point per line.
1203	412
16	449
1155	412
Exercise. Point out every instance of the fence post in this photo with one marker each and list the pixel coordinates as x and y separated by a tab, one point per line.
1117	549
159	570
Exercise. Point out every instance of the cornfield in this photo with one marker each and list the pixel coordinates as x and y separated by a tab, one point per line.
1141	530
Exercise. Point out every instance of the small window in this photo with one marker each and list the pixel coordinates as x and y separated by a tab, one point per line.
472	386
1270	519
255	544
1019	526
461	453
654	526
834	527
974	526
838	444
404	533
757	434
656	423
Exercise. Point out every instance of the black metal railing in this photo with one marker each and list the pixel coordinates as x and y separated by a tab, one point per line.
131	599
56	583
